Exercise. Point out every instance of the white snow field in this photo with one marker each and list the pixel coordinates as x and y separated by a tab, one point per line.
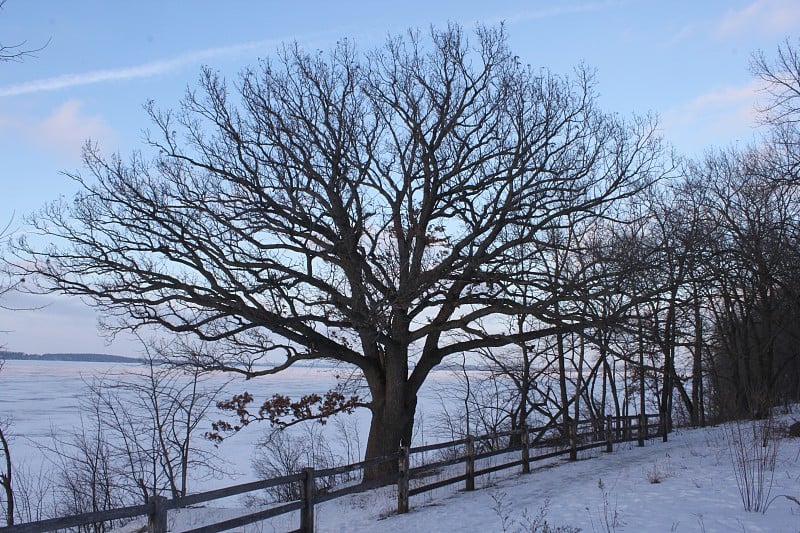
687	484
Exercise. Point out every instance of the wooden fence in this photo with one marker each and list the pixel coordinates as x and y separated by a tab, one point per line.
413	475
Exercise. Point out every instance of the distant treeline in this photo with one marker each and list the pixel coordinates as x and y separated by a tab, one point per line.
75	357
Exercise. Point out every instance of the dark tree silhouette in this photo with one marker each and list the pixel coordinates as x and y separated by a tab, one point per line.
755	285
344	206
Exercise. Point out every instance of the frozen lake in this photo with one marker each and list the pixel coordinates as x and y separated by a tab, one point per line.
43	398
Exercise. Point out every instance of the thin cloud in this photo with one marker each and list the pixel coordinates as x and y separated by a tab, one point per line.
768	17
144	70
717	117
163	66
68	128
63	132
686	33
535	14
96	76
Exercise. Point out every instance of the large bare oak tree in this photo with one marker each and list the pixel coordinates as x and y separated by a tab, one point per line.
366	208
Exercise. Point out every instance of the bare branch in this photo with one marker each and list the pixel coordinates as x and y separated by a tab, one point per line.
17	52
368	209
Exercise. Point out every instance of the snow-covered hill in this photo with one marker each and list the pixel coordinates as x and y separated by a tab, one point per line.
687	484
696	488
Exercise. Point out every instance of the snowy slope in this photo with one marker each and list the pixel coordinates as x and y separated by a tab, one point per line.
696	492
697	489
687	484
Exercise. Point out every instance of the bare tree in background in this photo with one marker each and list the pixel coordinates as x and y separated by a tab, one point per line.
755	275
151	421
7	477
782	77
6	474
18	51
84	478
781	112
9	52
7	281
345	206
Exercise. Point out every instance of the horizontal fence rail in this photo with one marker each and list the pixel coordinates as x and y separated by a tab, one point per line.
516	448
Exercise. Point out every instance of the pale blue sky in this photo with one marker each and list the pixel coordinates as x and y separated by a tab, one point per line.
686	60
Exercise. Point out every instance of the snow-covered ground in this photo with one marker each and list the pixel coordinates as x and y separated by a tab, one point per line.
687	484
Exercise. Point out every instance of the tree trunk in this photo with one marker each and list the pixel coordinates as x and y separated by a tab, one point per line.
562	379
668	348
698	409
393	407
579	379
642	376
392	426
519	420
6	480
611	382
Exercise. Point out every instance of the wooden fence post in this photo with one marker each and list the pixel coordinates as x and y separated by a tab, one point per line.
642	429
526	450
470	483
572	430
307	511
402	481
157	519
609	437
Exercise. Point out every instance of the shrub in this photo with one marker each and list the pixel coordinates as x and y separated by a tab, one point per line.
753	447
